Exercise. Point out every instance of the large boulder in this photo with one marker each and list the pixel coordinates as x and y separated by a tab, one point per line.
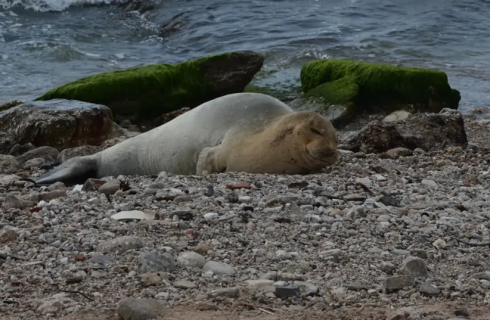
150	91
57	123
350	88
427	131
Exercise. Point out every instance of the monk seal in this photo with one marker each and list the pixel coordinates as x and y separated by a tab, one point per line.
247	132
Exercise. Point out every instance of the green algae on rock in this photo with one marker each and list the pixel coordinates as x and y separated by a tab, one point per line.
152	90
372	87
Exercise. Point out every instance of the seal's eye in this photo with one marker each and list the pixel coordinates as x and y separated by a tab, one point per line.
315	131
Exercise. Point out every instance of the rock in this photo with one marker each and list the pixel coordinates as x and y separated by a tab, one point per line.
156	262
12	201
397	116
67	154
184	284
426	131
46	152
232	292
10	178
110	187
415	267
375	137
375	88
398	282
259	283
188	84
140	309
58	123
287	291
429	183
429	290
306	288
150	279
7	236
34	164
218	268
481	275
433	131
8	163
121	244
191	259
399	152
56	304
440	244
20	149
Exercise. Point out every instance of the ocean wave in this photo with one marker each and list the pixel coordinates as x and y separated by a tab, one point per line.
51	5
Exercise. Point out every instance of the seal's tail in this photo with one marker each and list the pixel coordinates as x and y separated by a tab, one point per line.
74	171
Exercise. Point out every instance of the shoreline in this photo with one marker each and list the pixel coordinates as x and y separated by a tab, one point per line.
339	243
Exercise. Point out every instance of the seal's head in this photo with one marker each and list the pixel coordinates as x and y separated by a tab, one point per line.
314	139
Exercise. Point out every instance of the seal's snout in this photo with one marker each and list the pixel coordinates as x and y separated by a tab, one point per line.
330	154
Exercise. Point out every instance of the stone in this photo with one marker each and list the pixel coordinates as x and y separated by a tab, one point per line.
12	201
259	283
67	154
397	116
57	123
440	244
429	183
184	284
140	309
218	268
156	262
8	163
399	152
150	279
7	236
55	304
287	291
307	288
19	149
232	292
398	282
191	259
121	244
426	131
110	187
415	267
429	290
132	92
46	153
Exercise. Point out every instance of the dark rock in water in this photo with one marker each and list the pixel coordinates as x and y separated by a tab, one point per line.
47	153
58	123
20	149
149	91
77	152
427	131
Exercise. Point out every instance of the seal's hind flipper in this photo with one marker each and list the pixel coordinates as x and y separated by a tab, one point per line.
74	171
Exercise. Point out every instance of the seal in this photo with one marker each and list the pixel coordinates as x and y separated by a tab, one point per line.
241	132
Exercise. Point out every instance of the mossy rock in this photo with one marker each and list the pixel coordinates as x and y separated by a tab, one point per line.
152	90
371	87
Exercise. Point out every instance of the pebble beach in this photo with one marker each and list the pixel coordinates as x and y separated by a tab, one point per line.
370	238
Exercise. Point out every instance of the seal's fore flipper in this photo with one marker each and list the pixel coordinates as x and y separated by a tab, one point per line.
209	161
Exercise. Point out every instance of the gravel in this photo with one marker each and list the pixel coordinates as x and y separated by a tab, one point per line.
369	232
